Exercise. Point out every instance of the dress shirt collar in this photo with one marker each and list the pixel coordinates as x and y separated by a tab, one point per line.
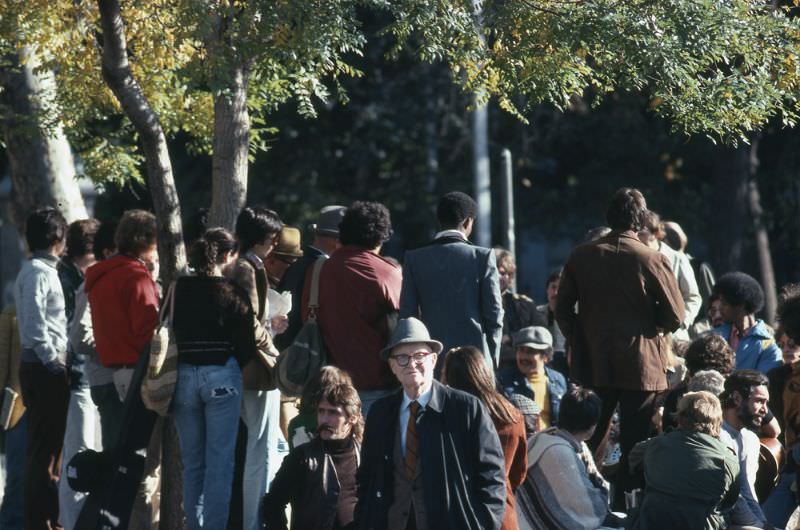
450	233
422	400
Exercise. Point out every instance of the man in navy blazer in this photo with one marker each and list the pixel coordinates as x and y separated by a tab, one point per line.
453	286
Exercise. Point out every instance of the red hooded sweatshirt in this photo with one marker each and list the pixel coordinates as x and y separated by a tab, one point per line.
124	303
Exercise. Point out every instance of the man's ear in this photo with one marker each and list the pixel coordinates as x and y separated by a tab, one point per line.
736	396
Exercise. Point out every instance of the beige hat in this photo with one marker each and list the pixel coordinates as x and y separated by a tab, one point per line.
288	243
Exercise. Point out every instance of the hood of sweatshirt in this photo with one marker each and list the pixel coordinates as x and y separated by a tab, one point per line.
112	265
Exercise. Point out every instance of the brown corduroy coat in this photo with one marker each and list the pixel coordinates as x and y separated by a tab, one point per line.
617	303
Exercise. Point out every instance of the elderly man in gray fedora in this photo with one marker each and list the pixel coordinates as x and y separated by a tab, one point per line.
431	457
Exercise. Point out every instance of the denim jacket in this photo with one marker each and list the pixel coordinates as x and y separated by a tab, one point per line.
40	312
513	382
757	350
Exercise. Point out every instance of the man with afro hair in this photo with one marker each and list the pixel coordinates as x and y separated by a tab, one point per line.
741	297
359	295
453	286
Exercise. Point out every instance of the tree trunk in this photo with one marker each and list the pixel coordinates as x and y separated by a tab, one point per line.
762	236
231	146
730	173
42	166
119	77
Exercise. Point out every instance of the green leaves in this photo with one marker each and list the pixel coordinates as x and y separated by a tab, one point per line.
715	67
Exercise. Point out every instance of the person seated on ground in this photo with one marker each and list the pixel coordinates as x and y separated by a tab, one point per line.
676	362
531	377
741	297
530	413
709	352
563	489
779	376
784	498
707	381
318	478
691	477
744	405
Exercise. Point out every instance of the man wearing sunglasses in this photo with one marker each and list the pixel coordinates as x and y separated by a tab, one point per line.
431	457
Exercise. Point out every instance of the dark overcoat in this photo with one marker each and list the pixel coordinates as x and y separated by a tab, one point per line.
462	462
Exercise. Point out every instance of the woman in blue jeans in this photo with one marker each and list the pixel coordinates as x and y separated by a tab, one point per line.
213	326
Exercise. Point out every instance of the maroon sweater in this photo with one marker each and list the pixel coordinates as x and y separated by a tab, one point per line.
357	291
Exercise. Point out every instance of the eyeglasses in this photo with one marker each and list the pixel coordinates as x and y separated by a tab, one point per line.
403	359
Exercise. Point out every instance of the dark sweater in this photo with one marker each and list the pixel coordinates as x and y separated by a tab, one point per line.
344	460
213	321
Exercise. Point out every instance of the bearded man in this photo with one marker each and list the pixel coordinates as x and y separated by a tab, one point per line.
318	478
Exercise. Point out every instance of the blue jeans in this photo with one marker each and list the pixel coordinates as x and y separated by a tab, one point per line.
782	501
16	442
206	406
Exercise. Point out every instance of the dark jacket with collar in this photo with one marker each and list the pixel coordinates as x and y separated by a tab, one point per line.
463	468
628	302
294	280
514	382
307	479
453	286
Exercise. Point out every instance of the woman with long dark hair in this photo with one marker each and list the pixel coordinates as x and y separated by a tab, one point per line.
213	326
465	369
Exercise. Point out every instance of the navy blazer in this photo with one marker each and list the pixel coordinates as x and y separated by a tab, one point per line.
461	459
454	288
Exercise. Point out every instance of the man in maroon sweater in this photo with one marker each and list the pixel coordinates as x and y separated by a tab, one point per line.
359	294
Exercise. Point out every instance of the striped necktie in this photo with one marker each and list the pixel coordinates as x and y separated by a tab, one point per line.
412	442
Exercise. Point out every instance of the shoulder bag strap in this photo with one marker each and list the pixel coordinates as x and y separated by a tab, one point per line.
313	299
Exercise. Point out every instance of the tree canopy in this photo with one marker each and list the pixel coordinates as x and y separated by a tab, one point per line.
720	68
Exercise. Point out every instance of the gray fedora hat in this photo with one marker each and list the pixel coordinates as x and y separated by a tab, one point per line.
536	337
410	330
328	221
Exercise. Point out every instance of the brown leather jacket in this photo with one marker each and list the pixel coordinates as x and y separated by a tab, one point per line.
307	479
10	351
617	302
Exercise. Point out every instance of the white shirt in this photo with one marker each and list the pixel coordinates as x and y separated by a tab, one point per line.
450	233
745	444
405	411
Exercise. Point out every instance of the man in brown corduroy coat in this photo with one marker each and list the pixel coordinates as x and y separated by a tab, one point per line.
617	303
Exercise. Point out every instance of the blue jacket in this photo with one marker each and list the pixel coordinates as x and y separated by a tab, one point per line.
513	382
757	351
453	287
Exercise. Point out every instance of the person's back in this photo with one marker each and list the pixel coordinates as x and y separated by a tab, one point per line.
359	294
627	297
358	290
691	482
124	302
453	286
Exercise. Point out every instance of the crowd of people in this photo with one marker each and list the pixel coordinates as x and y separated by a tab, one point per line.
639	395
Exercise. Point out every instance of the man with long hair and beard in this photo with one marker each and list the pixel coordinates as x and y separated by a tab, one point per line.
744	405
318	478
